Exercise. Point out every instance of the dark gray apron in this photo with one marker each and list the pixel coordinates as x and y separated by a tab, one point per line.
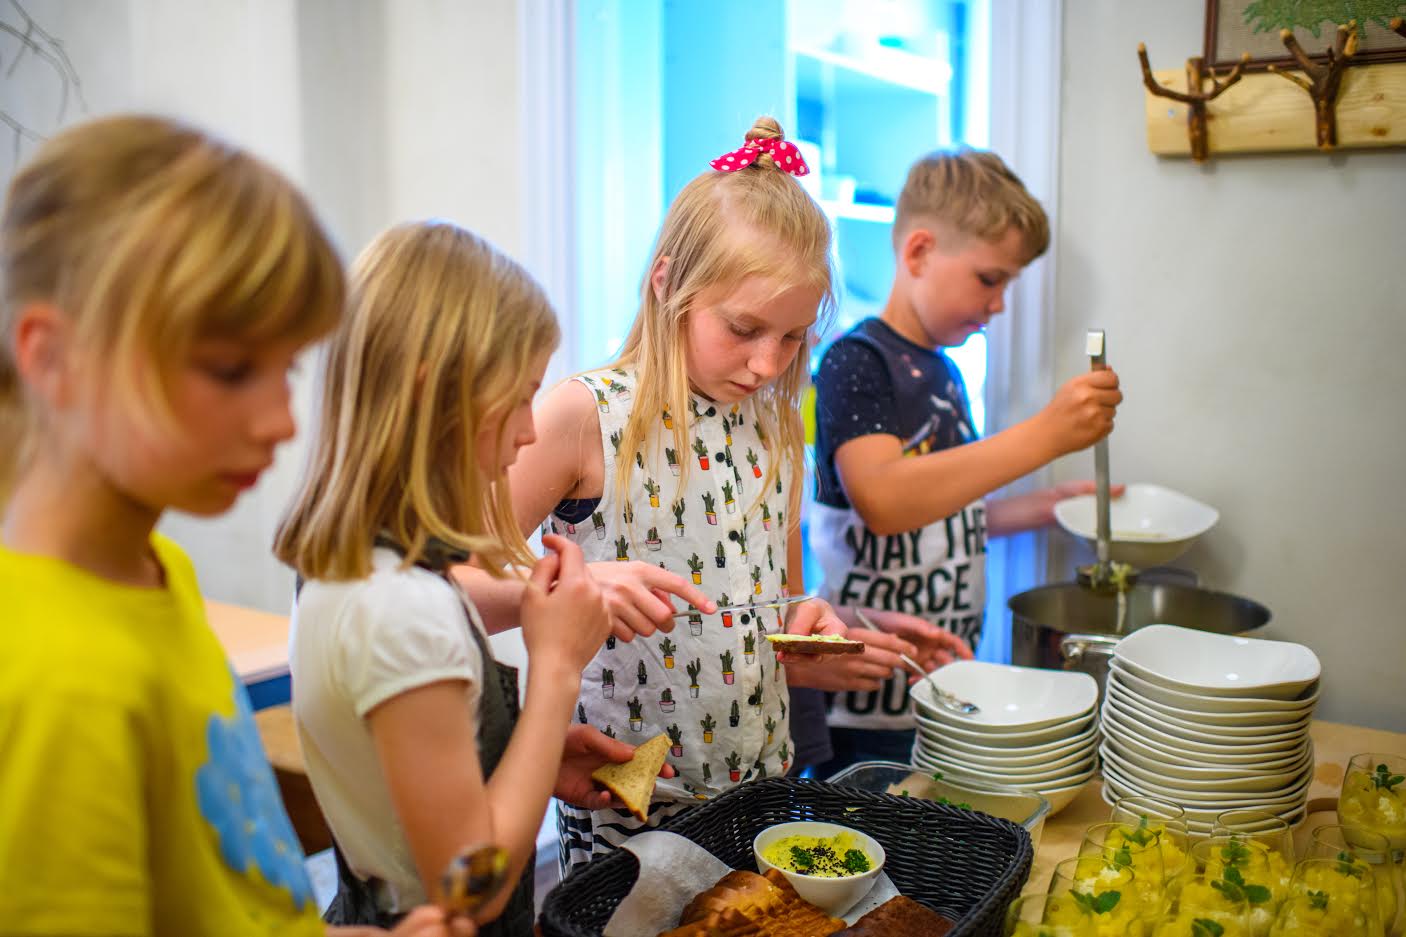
355	902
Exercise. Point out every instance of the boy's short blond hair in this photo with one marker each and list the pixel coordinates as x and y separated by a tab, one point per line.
973	193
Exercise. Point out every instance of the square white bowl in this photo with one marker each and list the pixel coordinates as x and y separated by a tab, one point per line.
1142	722
1012	699
1156	751
1150	524
1205	663
1053	776
1225	708
1061	731
1058	748
1200	822
1201	729
1236	779
1207	800
1246	724
1019	763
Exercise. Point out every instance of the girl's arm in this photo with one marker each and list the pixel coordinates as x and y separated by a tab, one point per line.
427	743
567	460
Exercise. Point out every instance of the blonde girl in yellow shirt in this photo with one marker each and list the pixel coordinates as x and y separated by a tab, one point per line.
156	286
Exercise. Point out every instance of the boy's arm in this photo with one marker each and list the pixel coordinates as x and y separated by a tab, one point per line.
894	493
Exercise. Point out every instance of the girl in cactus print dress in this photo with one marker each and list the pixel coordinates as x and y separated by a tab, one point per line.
686	453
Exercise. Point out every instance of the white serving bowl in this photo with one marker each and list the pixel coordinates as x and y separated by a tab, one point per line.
1200	732
1059	732
1012	699
1031	764
1033	778
1026	754
1150	524
1207	800
1224	708
1158	752
1209	664
1226	723
1199	822
1142	729
1062	797
1198	778
831	895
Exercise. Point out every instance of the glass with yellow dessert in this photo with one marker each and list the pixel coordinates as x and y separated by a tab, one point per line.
1107	892
1338	842
1308	916
1344	890
1247	869
1049	916
1147	816
1203	907
1137	850
1374	797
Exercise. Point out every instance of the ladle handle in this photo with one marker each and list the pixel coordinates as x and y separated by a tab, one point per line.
1097	350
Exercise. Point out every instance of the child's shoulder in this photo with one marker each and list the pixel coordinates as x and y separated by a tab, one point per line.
392	596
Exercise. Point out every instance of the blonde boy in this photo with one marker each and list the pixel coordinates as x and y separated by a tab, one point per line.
902	518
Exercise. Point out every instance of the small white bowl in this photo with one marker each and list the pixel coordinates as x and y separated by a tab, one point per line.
1247	724
832	895
1224	709
1012	699
1059	732
1209	664
1150	524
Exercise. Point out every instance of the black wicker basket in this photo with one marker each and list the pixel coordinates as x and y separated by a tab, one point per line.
965	865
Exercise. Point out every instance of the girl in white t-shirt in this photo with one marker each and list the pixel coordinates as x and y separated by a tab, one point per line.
411	731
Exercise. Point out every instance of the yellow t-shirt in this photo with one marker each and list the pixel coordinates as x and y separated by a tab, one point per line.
134	794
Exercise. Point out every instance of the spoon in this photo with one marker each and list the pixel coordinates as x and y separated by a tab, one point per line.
946	700
472	879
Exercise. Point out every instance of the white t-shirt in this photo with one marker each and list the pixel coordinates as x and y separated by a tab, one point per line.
353	646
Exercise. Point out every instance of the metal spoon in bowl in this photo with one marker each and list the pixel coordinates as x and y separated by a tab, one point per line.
944	699
472	879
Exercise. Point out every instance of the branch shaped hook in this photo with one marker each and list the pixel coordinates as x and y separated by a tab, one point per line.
1323	82
1196	95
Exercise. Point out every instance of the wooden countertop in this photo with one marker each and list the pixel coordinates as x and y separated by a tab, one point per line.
255	642
1334	744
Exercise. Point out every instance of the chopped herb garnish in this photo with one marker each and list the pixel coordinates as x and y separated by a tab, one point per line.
856	861
802	858
1205	927
1101	903
1318	900
1385	780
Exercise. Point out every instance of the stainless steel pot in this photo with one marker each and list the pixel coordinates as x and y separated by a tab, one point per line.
1070	626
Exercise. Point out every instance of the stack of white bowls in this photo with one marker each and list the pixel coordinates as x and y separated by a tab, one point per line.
1211	722
1035	729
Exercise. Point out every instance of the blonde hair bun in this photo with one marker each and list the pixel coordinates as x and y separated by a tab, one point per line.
765	127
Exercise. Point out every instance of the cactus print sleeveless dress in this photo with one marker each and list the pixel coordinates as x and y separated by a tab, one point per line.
713	685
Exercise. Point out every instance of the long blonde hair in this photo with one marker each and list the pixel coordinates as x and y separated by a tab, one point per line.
439	337
148	235
721	229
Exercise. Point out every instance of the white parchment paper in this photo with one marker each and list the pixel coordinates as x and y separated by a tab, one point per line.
673	869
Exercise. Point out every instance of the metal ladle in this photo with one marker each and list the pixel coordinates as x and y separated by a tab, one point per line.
1104	575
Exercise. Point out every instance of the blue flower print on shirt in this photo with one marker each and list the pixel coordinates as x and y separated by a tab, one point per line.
239	798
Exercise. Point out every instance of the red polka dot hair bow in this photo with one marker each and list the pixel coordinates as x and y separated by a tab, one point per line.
783	152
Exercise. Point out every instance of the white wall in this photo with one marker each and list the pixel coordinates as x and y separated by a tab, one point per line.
1256	313
383	110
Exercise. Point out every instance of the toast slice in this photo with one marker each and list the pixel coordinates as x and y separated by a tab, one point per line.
815	644
899	915
633	781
